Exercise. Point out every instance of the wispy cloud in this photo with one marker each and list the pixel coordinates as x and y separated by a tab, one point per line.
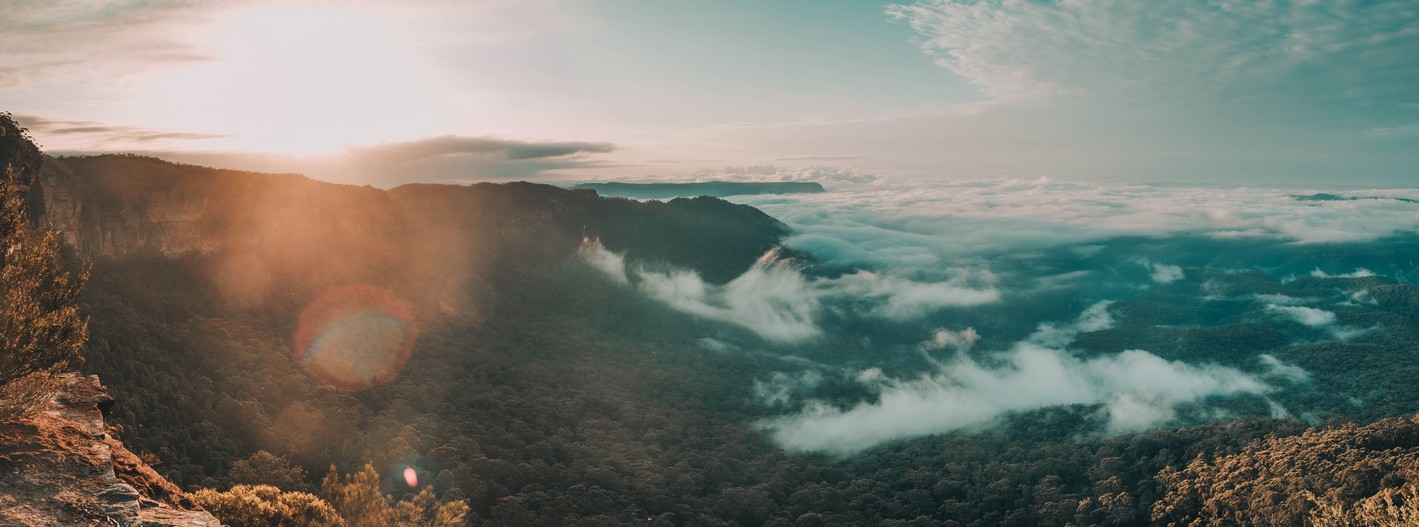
771	299
1309	316
79	135
820	158
776	301
1410	130
1019	50
1163	273
1358	273
1319	319
1222	91
455	146
102	39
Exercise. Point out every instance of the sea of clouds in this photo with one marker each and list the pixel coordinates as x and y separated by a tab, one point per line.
929	253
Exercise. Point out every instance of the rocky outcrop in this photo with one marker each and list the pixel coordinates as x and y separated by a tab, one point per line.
60	467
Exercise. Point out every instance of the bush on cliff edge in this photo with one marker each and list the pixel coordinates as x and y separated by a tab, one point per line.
41	330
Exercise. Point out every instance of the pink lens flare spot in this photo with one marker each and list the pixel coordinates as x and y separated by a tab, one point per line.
411	477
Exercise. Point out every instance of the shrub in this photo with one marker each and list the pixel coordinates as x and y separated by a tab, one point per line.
267	506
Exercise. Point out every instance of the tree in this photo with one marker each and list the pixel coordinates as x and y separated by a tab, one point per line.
265	468
357	497
41	330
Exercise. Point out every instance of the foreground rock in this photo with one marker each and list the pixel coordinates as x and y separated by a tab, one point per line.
60	467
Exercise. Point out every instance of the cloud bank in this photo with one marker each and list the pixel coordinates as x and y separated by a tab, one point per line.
828	175
1134	389
1002	255
920	225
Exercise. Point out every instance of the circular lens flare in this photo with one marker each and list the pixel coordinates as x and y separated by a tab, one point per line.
355	337
411	477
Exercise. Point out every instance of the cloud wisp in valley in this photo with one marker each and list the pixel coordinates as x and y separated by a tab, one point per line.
774	300
1135	391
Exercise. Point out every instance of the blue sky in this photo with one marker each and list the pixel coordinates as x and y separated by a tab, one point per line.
1304	93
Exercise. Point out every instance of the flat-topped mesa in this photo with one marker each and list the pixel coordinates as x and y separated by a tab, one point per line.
704	188
60	467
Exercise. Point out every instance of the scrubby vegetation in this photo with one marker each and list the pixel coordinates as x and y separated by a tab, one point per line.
41	330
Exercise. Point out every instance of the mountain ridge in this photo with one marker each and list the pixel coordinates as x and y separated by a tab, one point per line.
115	205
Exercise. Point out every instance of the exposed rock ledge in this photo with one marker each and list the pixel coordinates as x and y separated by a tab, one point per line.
60	468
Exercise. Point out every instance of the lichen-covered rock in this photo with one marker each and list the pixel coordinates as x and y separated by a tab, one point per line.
59	467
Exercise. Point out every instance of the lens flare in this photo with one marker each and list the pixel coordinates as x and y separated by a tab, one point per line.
411	477
355	337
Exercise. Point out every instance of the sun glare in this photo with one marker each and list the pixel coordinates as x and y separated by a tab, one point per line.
300	80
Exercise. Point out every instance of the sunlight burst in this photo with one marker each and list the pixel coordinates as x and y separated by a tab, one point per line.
300	80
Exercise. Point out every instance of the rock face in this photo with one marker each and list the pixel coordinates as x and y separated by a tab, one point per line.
60	468
120	211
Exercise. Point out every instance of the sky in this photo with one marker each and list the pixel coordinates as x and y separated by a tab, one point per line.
1195	92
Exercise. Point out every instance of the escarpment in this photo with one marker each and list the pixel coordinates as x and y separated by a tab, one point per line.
60	467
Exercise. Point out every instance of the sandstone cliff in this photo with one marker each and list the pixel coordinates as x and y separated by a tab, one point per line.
60	467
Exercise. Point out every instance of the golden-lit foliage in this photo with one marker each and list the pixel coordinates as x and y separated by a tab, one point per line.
1390	507
352	500
41	330
267	506
1347	475
358	499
